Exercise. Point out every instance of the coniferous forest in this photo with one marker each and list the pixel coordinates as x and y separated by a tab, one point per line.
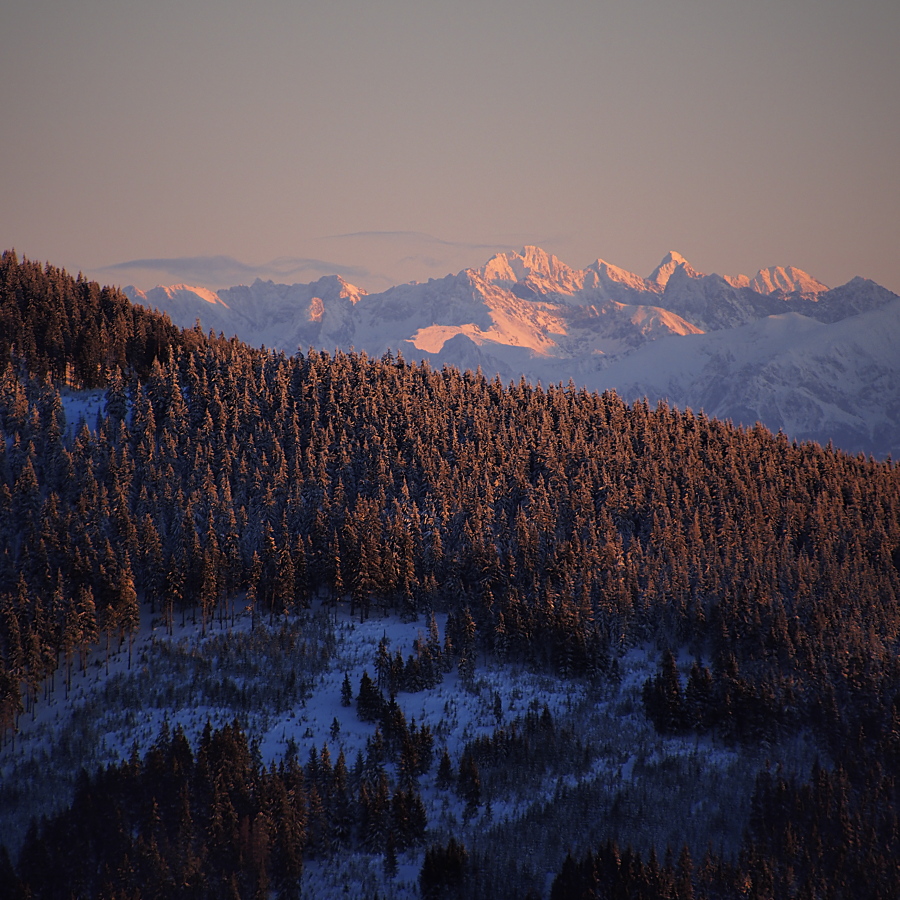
555	529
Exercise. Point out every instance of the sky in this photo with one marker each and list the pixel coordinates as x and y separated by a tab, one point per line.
215	141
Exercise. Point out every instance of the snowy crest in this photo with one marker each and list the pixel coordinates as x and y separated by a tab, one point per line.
673	260
535	268
787	279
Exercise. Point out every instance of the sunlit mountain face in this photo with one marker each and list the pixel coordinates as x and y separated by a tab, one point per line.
780	347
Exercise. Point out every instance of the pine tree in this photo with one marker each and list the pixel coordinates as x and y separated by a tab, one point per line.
369	701
10	702
346	691
445	777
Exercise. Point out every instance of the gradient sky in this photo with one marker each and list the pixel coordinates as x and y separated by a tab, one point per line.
214	141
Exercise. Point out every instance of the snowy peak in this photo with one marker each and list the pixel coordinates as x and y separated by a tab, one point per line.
660	276
787	279
201	292
533	268
328	287
737	281
498	269
333	287
162	296
605	274
860	295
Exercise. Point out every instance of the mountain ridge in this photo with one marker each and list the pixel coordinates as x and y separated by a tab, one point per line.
528	314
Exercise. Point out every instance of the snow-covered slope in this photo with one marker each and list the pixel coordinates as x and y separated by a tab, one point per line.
787	279
701	340
812	380
280	316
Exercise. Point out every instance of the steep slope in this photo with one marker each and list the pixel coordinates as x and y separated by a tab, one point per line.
556	532
613	282
709	302
533	271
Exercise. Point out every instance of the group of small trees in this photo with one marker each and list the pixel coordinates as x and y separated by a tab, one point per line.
211	823
736	707
74	331
833	836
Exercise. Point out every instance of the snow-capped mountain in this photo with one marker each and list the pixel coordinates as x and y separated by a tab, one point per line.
280	316
780	347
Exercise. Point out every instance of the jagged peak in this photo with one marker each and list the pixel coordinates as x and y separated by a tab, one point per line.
660	276
608	272
539	262
534	265
787	279
864	287
530	260
498	268
673	256
328	287
344	289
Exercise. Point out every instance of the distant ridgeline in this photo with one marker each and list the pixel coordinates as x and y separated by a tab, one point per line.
564	525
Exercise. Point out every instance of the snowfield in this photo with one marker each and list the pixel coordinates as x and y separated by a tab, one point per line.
282	681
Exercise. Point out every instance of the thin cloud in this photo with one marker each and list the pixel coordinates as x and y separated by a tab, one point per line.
290	264
227	269
420	259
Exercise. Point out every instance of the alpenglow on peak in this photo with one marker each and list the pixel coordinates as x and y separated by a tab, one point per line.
659	277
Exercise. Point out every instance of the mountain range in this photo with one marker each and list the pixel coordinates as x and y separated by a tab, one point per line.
780	348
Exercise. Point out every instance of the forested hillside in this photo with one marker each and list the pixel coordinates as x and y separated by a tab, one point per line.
74	331
555	526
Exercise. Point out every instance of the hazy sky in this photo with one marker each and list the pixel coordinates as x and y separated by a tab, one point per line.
211	141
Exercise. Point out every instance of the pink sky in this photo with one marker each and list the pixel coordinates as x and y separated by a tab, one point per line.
405	139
